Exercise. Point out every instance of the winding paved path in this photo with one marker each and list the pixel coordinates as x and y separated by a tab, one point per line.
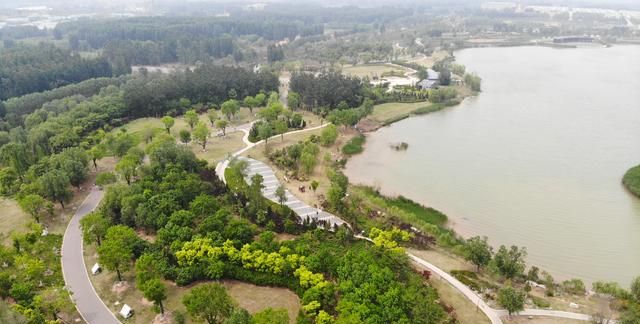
271	183
94	311
89	305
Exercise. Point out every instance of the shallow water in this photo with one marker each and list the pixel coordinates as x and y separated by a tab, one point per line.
535	160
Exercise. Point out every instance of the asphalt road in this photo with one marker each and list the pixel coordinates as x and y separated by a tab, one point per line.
76	277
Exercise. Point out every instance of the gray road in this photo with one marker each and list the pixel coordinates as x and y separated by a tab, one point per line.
76	277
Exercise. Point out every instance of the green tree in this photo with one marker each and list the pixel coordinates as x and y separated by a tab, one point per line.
94	228
185	136
127	168
239	316
478	251
154	290
250	102
35	205
191	117
281	194
271	316
510	262
212	115
55	186
314	185
308	162
261	98
96	153
168	122
117	248
222	125
146	269
281	128
54	300
265	132
230	108
511	299
209	302
329	135
293	100
201	133
16	156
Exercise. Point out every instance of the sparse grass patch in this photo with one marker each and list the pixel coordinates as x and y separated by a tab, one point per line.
12	219
373	70
354	145
393	110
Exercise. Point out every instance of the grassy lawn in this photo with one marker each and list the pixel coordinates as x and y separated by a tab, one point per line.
219	147
428	61
248	296
465	310
388	111
371	70
443	260
12	219
540	320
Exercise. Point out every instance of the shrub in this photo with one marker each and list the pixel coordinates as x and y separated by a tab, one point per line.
354	146
105	178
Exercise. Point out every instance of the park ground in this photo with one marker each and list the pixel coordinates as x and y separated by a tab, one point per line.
115	294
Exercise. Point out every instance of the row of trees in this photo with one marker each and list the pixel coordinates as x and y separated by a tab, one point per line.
26	68
327	89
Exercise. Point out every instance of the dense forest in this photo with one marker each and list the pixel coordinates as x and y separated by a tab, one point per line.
26	69
327	89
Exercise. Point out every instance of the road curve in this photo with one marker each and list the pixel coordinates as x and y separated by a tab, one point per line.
88	303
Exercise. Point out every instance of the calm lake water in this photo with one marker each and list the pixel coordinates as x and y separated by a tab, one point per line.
535	160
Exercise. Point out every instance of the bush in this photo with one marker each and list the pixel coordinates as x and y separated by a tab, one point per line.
105	178
354	146
540	302
631	180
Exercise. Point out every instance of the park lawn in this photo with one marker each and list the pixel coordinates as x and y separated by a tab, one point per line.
219	147
251	297
443	259
465	310
539	320
429	61
12	219
372	70
390	111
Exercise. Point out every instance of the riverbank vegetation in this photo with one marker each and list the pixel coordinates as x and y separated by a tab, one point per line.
631	180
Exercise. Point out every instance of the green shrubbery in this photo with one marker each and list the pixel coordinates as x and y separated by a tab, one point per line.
631	180
354	145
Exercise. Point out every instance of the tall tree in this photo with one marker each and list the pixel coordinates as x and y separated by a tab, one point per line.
250	102
230	108
478	251
35	205
209	302
96	153
94	228
201	134
281	128
511	299
510	262
185	136
212	115
154	290
265	132
222	125
116	251
16	156
168	122
54	300
55	185
127	167
281	194
191	117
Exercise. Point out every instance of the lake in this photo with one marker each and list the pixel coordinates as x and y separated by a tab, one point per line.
535	160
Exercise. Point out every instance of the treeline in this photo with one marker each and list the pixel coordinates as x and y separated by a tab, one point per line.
26	69
327	89
155	40
13	109
71	122
10	33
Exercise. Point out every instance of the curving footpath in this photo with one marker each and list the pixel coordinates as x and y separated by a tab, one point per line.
88	303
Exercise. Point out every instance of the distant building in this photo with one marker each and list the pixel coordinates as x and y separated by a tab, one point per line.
433	75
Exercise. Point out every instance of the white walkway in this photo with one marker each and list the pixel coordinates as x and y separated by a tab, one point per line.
271	183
